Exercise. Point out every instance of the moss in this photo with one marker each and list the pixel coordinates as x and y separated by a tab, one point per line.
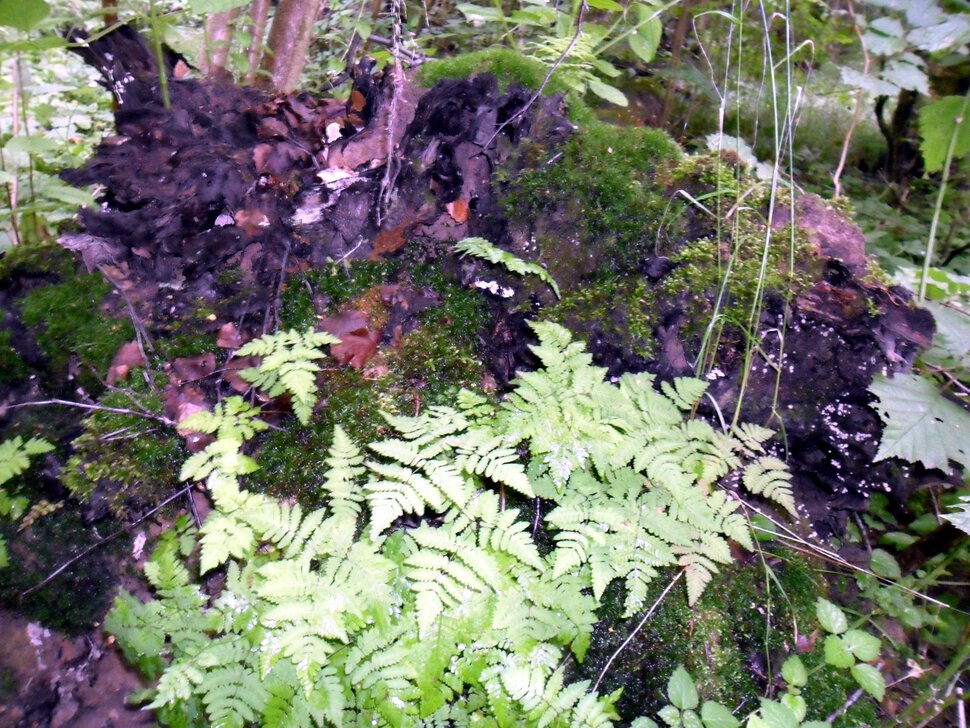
309	295
36	551
12	367
508	66
123	462
724	641
69	321
45	259
598	203
190	335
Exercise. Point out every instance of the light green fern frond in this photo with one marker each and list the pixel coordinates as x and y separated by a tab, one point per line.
770	477
15	455
288	365
233	419
345	467
482	248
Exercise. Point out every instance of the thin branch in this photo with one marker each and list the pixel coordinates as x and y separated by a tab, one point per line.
859	101
93	547
545	82
95	407
633	634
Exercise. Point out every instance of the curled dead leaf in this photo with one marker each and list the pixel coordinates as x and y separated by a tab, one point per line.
127	358
458	210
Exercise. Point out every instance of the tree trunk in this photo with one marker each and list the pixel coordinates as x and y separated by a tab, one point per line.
289	42
218	40
259	12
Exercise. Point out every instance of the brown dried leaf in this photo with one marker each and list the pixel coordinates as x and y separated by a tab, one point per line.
231	374
127	358
458	210
229	337
192	368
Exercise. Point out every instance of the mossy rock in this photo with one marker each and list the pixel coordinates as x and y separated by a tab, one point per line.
507	65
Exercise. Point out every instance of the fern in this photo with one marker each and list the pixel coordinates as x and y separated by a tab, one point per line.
233	419
487	251
414	597
288	365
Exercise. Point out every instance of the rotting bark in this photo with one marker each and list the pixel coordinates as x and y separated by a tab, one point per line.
289	43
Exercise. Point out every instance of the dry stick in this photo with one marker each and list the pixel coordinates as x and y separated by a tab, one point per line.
845	706
96	407
386	191
639	626
545	82
859	100
103	541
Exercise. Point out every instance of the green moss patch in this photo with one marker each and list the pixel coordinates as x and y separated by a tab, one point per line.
508	66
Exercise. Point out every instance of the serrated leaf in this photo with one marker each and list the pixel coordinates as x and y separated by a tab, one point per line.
795	703
921	425
716	715
951	33
488	251
884	564
907	76
938	122
777	715
830	616
871	84
960	515
794	673
863	645
837	652
870	680
23	14
681	691
478	13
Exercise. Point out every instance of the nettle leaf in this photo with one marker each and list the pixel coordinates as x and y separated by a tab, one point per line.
23	14
830	616
716	715
907	75
937	123
951	33
870	84
837	652
794	673
870	680
862	644
884	564
681	691
921	425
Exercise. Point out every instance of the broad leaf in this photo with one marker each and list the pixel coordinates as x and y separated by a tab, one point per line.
716	715
205	7
921	425
863	645
794	672
837	652
960	515
937	122
830	616
23	14
607	92
681	691
884	564
870	680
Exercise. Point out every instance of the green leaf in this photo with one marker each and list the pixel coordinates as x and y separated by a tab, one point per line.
937	123
23	14
644	722
607	92
206	7
921	425
604	5
794	673
951	33
870	680
681	691
830	616
795	703
32	144
871	84
863	645
488	251
777	715
478	13
716	715
670	715
884	564
837	652
960	515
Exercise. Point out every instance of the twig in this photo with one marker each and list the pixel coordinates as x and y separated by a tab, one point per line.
545	82
96	407
397	83
859	101
846	705
633	634
106	539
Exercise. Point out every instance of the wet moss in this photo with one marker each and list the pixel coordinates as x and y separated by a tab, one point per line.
508	66
124	462
70	322
316	292
729	641
597	204
12	367
46	260
46	544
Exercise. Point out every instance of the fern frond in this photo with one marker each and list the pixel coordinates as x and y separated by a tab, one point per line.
482	248
233	419
379	657
698	571
751	437
344	461
224	536
483	453
15	455
685	392
288	365
233	695
770	477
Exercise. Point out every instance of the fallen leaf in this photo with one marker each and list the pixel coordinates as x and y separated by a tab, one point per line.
251	221
192	368
231	373
358	343
127	358
458	210
229	337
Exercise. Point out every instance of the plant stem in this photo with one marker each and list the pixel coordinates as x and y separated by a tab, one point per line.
938	208
155	24
933	691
